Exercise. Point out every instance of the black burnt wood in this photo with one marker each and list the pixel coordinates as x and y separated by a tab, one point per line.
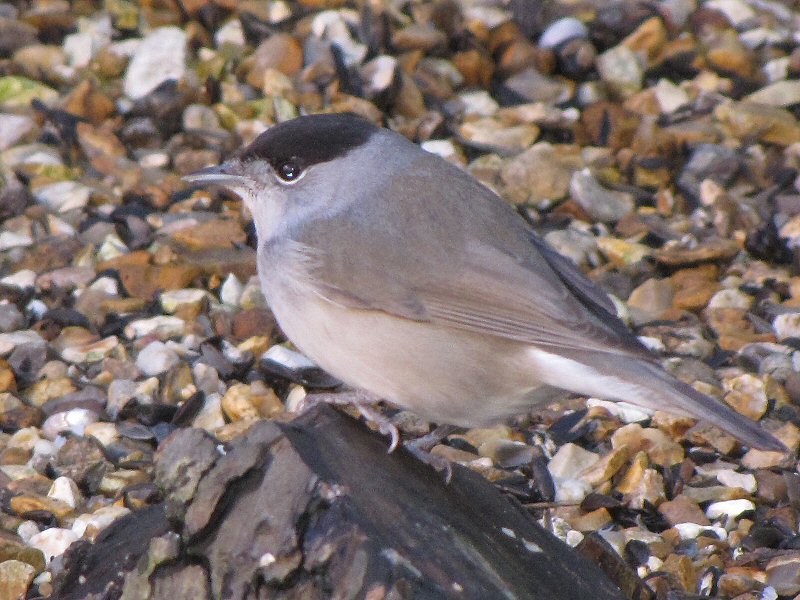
317	509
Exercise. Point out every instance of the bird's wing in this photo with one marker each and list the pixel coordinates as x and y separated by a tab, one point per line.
551	307
533	296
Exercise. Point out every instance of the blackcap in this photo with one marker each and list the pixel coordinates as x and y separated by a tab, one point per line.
402	275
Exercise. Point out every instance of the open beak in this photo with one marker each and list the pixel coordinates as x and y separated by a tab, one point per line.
224	175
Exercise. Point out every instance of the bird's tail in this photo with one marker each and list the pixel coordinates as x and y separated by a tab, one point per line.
683	397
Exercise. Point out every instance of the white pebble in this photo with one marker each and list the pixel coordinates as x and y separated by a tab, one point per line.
731	478
9	341
571	491
161	326
574	537
11	239
26	530
689	531
36	309
787	326
561	31
63	196
74	420
288	358
66	490
570	461
105	433
44	448
769	593
25	438
53	542
479	103
22	279
107	285
230	292
99	519
730	298
230	33
171	300
729	508
156	358
295	399
443	148
160	57
210	416
625	412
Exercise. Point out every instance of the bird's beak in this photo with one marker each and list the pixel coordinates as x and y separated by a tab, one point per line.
228	175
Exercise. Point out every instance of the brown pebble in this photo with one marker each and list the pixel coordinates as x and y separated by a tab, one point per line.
279	51
253	322
682	510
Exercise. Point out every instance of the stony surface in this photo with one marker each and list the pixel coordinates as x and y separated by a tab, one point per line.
657	145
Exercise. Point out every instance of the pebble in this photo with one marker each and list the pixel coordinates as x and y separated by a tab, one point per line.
14	128
541	174
625	412
787	326
230	292
18	92
210	416
160	57
15	578
745	481
53	542
622	69
89	525
646	142
600	204
65	490
63	196
570	461
729	509
781	93
562	30
11	319
331	26
22	279
161	327
736	11
487	133
691	531
73	421
783	575
156	358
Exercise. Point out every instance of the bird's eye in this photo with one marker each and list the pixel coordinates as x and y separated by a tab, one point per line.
289	171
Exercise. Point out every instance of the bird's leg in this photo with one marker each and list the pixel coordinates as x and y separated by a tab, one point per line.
440	463
422	446
363	402
426	442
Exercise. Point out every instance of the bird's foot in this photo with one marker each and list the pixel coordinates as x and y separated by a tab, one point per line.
426	442
440	463
363	403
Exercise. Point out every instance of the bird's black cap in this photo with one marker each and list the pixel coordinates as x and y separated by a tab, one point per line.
310	140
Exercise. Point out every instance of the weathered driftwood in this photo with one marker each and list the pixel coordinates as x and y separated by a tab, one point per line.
317	509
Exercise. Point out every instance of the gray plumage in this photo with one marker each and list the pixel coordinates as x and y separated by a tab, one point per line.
402	275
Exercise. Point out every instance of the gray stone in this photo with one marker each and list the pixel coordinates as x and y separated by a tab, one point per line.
11	318
600	204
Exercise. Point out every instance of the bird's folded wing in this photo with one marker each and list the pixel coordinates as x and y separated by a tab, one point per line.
539	300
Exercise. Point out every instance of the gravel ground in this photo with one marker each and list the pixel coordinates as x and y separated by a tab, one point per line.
656	144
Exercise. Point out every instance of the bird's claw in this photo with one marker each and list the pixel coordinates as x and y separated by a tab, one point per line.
439	463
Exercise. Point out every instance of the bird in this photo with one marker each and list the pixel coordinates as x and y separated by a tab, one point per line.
403	276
